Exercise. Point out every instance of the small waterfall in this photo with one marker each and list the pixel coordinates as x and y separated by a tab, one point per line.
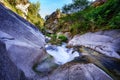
61	54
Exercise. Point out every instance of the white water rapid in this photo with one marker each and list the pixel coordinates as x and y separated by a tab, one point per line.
61	54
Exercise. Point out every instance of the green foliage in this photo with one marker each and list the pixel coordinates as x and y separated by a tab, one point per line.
62	38
54	36
75	28
57	39
105	14
14	2
32	16
54	39
79	27
115	22
76	6
102	17
34	8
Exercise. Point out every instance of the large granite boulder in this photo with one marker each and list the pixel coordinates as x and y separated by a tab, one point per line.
8	70
24	43
105	42
77	71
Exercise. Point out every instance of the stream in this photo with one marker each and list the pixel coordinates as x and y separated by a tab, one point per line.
59	55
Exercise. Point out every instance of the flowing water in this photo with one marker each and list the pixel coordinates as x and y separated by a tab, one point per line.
57	55
61	54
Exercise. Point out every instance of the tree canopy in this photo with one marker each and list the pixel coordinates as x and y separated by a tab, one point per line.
14	2
75	6
34	8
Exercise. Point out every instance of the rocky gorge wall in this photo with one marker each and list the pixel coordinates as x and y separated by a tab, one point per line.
24	43
22	46
105	42
8	70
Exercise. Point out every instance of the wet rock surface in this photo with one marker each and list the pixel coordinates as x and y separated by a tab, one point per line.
24	44
105	42
109	64
46	66
8	70
78	71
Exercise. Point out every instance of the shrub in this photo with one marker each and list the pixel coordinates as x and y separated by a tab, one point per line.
62	38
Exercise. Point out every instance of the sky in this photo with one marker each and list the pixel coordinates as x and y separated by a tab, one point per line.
49	6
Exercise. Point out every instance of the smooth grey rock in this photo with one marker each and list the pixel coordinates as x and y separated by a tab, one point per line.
8	70
46	66
22	46
105	42
24	42
79	71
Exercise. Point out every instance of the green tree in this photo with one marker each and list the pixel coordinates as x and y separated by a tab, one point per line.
76	6
34	8
14	2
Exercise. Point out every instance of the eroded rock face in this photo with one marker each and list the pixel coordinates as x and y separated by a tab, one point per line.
105	42
52	21
78	71
23	8
98	2
24	43
22	46
8	70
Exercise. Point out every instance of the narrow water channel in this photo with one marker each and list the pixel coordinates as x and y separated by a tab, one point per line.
59	55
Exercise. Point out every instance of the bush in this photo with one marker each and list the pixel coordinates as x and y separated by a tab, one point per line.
106	16
115	22
62	38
